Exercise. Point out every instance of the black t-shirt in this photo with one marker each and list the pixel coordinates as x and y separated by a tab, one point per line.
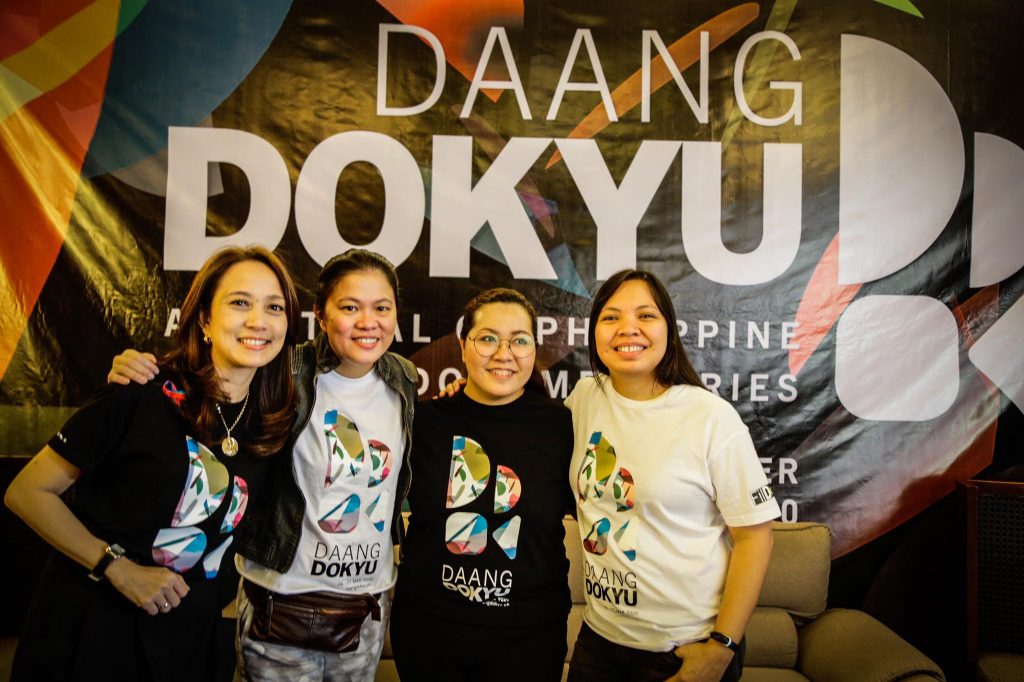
151	487
489	490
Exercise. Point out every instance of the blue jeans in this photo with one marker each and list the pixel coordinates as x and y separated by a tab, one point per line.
269	662
595	659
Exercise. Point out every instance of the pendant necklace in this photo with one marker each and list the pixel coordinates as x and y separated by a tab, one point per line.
229	446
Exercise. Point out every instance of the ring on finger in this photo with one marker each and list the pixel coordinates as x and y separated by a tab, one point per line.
166	606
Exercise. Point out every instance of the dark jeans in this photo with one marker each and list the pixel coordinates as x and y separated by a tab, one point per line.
595	659
427	649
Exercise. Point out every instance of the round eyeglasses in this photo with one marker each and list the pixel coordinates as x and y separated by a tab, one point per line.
520	345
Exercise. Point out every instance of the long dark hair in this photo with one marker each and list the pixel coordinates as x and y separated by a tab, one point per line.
271	393
675	367
501	295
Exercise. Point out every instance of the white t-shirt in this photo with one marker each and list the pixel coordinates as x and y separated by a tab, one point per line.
346	462
656	484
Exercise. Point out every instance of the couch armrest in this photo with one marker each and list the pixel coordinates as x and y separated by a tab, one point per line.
999	667
844	645
771	639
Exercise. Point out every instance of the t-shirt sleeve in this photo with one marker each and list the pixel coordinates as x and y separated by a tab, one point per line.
742	492
97	428
579	399
572	397
567	440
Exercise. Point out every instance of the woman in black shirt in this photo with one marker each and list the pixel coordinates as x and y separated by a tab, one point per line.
162	476
484	573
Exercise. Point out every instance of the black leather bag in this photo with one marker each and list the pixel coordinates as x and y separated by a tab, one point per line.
322	621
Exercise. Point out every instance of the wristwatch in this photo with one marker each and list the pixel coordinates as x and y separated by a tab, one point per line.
110	553
724	640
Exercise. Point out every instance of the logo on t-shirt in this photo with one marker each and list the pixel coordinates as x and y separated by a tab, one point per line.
466	532
762	495
605	501
350	465
180	547
470	473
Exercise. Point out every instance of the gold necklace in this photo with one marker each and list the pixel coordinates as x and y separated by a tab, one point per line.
229	446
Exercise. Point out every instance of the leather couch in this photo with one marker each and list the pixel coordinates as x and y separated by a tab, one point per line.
792	636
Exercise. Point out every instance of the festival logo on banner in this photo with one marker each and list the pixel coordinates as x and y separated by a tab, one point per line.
835	218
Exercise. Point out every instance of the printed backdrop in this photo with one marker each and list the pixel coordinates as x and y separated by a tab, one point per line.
831	191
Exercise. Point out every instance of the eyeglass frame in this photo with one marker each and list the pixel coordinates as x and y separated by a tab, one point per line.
507	341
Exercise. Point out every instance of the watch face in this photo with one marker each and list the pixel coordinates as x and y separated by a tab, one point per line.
110	553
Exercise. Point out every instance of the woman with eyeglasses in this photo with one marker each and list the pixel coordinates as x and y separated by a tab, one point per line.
484	572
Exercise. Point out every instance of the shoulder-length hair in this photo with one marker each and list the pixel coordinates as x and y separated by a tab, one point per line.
272	392
675	367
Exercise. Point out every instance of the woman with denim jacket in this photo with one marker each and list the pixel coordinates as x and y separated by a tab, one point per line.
321	552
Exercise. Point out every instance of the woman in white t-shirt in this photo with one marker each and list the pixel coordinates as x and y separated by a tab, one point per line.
674	507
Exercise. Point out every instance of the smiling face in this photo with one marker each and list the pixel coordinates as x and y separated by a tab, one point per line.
247	321
631	337
500	378
359	318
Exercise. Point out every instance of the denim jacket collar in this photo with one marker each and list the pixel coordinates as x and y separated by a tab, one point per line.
326	359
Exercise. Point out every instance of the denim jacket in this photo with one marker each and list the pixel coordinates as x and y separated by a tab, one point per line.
270	536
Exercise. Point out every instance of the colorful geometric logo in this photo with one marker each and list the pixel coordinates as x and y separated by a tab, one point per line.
598	509
466	532
180	547
342	500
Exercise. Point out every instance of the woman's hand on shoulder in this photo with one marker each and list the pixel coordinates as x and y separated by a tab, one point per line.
131	365
450	389
154	589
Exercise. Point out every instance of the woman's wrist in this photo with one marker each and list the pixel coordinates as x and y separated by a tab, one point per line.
724	640
111	553
118	570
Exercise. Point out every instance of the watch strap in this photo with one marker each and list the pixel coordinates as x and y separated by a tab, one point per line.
724	640
110	552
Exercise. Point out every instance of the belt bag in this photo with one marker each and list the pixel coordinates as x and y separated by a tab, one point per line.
322	621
